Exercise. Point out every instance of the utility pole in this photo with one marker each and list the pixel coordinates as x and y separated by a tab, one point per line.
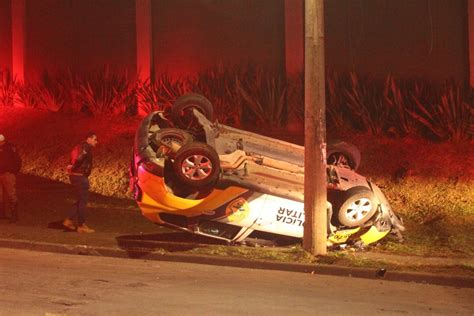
315	194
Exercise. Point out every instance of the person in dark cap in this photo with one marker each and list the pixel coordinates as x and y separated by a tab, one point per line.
10	164
79	169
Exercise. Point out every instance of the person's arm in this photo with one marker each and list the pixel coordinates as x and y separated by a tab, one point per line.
78	155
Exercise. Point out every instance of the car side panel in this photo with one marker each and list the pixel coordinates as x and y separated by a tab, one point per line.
281	216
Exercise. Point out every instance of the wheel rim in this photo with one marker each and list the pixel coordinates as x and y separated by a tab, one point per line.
196	167
358	209
168	140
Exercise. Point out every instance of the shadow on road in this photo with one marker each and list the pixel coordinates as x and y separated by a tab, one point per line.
140	245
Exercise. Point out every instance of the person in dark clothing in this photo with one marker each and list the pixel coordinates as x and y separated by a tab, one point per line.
79	170
10	164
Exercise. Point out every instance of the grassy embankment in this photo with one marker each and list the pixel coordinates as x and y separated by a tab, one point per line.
429	184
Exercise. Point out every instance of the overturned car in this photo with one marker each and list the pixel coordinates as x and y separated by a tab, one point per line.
196	175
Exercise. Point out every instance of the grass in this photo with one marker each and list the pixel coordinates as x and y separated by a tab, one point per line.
290	254
341	258
430	186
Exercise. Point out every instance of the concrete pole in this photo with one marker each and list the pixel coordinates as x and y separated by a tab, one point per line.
294	37
144	37
315	195
18	40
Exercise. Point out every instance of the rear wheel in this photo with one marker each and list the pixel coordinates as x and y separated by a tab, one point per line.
343	154
182	110
197	165
358	206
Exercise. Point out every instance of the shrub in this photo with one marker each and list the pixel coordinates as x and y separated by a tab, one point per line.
148	99
8	88
219	84
106	91
397	99
295	97
446	114
53	91
263	98
27	95
159	94
366	103
264	95
336	103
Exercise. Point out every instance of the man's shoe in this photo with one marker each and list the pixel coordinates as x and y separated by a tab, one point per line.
84	229
69	224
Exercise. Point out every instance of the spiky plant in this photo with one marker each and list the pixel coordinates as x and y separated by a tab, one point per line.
148	96
27	95
295	98
397	98
219	84
106	91
52	92
159	94
69	82
366	103
171	89
8	88
336	103
264	95
447	115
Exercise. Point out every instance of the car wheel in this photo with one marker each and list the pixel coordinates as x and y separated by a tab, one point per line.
172	138
169	135
197	165
343	154
182	110
358	207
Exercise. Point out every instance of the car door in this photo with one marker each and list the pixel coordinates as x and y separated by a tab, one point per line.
281	216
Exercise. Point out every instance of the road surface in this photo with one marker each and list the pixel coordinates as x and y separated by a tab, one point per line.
40	283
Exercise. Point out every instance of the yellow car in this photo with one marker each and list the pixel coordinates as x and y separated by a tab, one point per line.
196	175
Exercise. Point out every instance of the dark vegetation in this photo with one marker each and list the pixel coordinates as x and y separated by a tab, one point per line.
252	96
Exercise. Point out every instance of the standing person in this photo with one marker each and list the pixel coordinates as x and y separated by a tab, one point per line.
10	164
79	170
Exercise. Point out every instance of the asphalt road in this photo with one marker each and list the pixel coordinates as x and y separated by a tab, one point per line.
40	283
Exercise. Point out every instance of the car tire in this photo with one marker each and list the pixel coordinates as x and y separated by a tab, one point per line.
181	111
343	154
197	165
168	136
358	206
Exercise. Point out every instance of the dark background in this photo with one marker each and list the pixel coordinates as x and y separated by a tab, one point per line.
425	38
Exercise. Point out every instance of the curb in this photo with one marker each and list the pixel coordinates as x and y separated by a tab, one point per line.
317	269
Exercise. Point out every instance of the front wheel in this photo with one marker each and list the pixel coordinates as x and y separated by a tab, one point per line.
358	206
197	165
